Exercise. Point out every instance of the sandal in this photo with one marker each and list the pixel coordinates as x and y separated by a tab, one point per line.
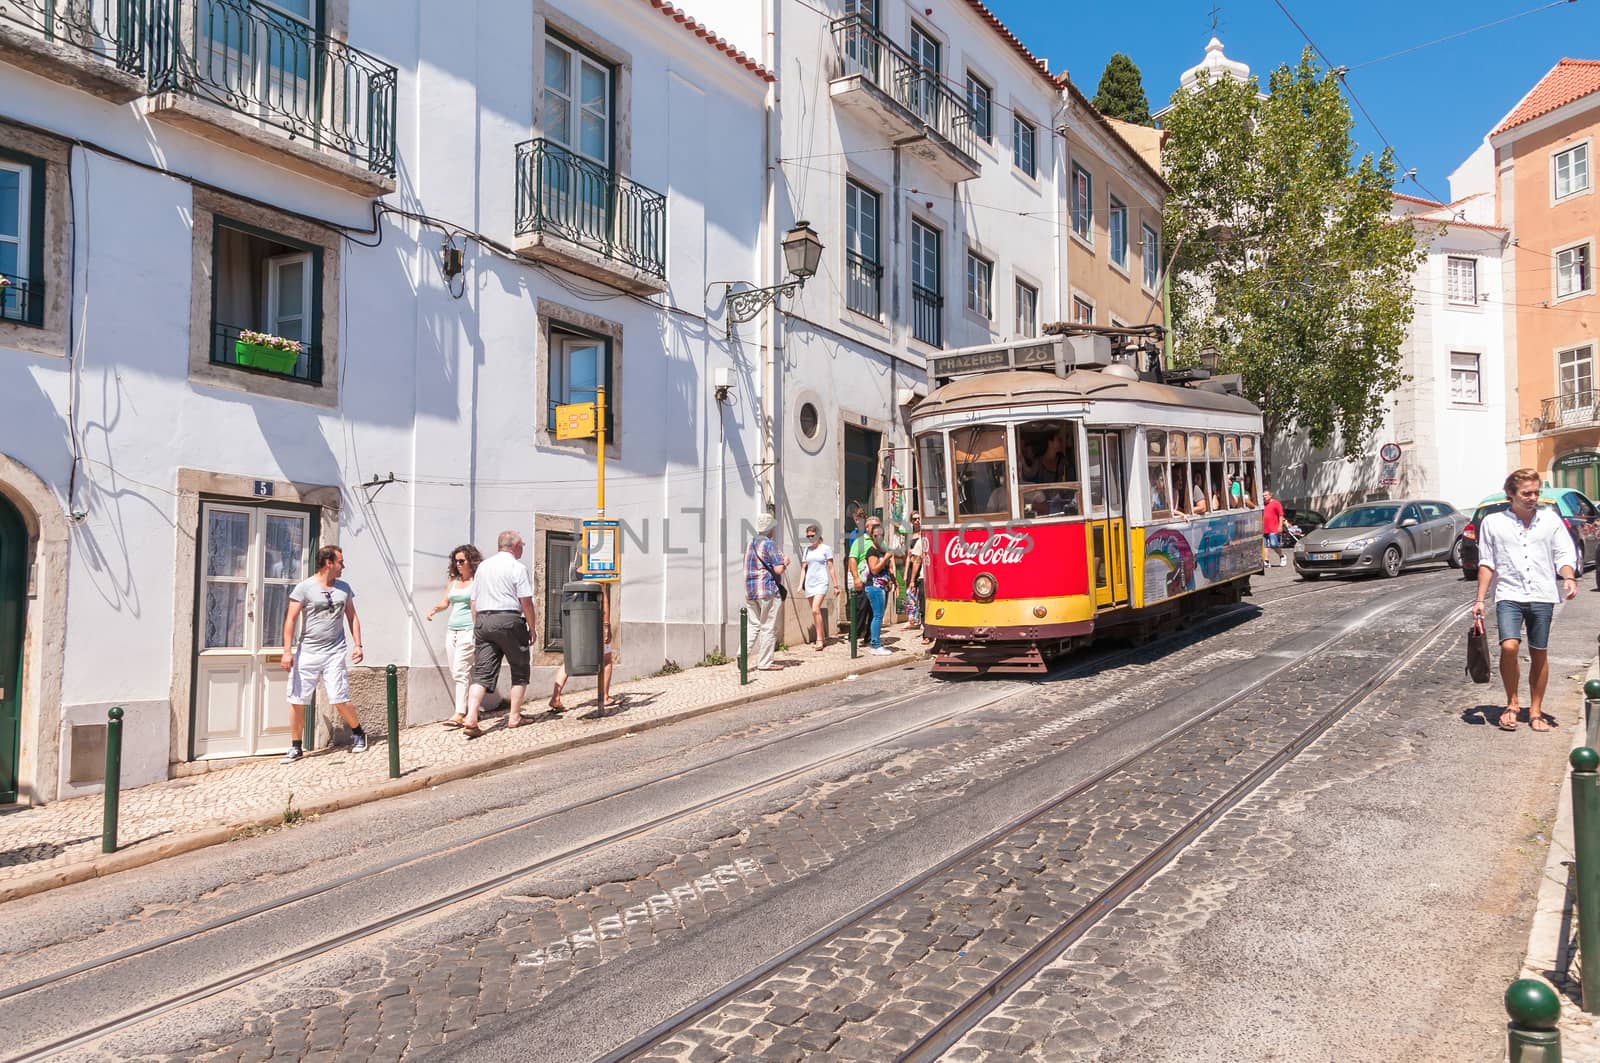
514	721
1508	720
457	720
1539	723
472	730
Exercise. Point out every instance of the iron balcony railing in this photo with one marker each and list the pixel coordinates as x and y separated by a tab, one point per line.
307	369
862	284
274	70
111	30
564	194
919	89
1570	410
21	300
927	316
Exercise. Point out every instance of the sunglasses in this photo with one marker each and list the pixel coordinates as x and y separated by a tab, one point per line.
461	561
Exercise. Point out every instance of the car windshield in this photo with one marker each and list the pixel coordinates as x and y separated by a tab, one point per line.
1501	507
1364	517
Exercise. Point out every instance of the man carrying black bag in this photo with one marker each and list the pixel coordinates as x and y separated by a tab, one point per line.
1520	552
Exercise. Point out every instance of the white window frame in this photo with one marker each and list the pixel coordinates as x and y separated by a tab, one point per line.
853	214
569	136
1024	145
1452	292
24	238
1026	296
1585	351
1584	249
1085	212
980	285
274	270
1115	209
986	134
1575	152
1476	375
1150	256
926	238
1080	303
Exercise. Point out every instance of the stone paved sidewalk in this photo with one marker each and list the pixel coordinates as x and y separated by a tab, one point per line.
59	843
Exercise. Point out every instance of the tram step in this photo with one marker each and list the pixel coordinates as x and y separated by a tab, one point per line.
983	660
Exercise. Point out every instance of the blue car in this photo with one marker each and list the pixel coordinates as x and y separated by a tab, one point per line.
1572	506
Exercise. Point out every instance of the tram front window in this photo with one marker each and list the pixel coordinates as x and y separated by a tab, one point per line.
1047	468
935	498
982	480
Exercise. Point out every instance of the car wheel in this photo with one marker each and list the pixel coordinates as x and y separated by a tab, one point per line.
1455	555
1393	562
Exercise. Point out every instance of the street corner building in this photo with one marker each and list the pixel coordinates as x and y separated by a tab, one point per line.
274	279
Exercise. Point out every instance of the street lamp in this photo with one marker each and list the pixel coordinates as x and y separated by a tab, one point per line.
802	253
1210	359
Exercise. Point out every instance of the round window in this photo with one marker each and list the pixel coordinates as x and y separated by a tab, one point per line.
808	420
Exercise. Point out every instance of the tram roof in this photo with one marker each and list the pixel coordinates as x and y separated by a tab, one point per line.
1023	387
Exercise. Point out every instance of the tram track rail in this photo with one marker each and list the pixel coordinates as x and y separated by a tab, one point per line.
962	1019
1192	633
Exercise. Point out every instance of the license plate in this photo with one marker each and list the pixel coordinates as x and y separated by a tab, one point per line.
1324	557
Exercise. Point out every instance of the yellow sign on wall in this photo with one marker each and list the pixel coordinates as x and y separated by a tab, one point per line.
575	421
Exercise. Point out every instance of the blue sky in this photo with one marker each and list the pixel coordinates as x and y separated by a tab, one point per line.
1434	105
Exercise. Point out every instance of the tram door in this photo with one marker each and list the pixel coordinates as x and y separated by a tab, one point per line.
1108	531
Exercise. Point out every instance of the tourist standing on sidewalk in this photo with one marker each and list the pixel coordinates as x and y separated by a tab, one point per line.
459	641
326	602
503	626
763	566
607	702
818	563
880	584
1520	552
916	561
1272	529
857	566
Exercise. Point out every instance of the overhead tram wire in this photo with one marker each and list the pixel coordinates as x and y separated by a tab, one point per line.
1344	81
1462	33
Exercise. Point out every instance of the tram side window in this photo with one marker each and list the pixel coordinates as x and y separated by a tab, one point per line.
1247	458
1160	493
1199	489
1047	468
1177	451
982	484
1218	471
930	470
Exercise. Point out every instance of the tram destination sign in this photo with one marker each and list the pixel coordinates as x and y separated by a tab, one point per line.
976	362
1036	354
1042	355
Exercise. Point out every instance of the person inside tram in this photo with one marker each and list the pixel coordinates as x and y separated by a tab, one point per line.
1158	493
1047	468
1200	506
1180	494
1044	458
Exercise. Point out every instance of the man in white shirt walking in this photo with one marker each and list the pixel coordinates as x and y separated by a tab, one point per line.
503	626
1520	552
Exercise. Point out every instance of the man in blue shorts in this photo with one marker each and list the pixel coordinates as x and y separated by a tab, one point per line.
1520	552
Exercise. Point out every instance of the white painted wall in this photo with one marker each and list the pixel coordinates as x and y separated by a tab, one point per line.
441	391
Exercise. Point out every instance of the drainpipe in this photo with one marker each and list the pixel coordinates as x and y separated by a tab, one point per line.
772	326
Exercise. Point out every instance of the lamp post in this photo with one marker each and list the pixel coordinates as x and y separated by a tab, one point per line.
802	253
1210	359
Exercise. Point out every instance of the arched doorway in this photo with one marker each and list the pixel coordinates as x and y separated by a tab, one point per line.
13	622
1579	470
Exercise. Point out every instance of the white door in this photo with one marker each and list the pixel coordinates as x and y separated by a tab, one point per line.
250	559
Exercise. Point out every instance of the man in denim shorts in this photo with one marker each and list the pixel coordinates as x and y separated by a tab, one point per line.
1520	552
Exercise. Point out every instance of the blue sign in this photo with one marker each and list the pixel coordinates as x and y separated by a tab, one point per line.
602	556
263	488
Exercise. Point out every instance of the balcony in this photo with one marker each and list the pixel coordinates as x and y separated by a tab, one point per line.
576	214
274	88
94	45
307	368
1576	409
888	90
927	316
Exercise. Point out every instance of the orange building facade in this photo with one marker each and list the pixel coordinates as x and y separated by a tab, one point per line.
1545	195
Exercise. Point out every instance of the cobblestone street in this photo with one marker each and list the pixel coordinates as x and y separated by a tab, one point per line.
839	871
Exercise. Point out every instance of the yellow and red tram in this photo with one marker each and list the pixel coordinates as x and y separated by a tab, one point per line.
1062	501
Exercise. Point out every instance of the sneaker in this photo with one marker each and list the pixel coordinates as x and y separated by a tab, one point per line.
294	754
1282	562
880	651
358	743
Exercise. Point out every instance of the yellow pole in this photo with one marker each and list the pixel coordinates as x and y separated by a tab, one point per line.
600	429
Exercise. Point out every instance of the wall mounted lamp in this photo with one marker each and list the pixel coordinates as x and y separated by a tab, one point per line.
802	253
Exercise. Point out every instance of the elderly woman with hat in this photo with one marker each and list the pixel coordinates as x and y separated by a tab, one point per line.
763	589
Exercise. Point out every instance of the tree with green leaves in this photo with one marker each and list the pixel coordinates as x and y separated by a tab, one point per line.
1285	257
1121	92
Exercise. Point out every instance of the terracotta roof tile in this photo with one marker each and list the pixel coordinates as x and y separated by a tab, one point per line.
1010	38
712	39
1568	80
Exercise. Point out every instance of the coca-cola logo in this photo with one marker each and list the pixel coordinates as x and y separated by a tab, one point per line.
1001	548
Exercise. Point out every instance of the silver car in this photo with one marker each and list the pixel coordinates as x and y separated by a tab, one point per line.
1381	537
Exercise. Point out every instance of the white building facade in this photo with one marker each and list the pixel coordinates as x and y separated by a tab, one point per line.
461	237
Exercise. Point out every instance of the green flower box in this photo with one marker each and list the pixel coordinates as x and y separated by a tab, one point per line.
260	356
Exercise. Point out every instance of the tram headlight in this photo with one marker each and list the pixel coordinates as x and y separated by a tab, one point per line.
983	587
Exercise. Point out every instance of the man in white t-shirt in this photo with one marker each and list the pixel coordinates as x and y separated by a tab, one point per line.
1521	551
502	626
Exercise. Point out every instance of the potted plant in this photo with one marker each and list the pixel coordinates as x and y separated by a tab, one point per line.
259	350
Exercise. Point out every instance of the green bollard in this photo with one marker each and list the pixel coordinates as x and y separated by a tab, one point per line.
744	646
1591	711
1586	846
850	607
1531	1036
113	789
394	721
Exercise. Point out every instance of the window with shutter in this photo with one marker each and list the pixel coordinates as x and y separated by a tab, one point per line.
1465	385
1463	281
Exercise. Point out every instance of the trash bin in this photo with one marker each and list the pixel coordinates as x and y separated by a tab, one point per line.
582	640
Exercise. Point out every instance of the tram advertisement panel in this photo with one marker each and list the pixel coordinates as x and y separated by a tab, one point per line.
1037	561
1179	558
